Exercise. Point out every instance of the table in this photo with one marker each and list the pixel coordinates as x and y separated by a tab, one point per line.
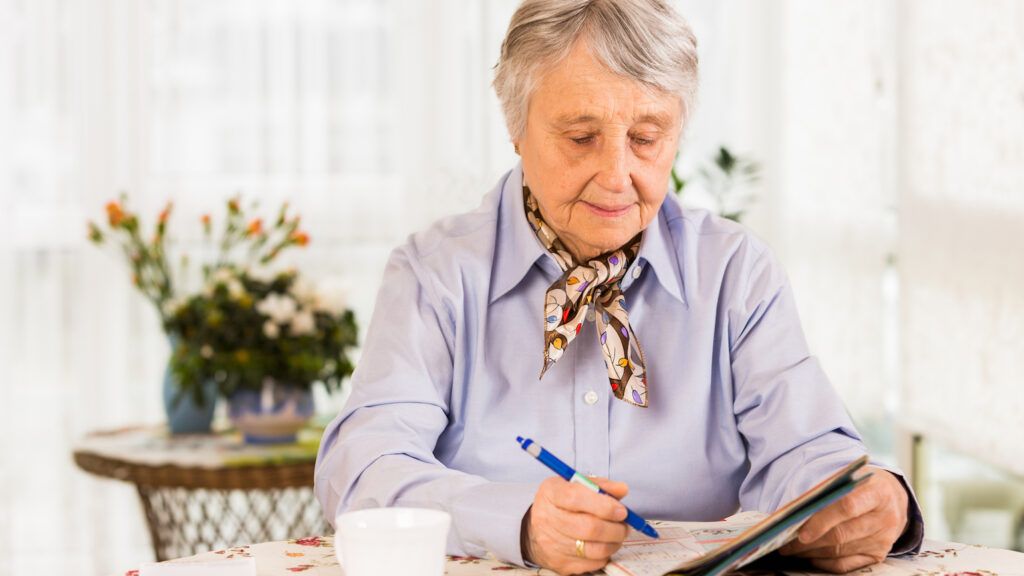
314	556
206	491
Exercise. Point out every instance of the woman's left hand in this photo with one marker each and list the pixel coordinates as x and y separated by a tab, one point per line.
856	531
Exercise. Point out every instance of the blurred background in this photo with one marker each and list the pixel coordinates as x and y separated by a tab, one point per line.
888	137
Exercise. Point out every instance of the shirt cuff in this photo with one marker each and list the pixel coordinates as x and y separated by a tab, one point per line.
488	518
913	534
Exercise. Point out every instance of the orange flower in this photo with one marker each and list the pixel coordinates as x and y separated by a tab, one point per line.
205	219
233	205
165	213
300	238
114	214
255	227
135	279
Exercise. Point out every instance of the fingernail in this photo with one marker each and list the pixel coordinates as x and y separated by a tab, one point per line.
804	537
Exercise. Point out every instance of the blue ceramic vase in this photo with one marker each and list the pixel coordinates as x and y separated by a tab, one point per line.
185	416
272	415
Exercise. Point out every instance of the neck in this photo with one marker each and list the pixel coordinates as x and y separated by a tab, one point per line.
581	253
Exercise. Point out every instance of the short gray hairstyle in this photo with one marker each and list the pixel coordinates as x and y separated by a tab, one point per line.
644	40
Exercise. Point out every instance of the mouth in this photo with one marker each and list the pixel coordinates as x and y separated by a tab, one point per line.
608	211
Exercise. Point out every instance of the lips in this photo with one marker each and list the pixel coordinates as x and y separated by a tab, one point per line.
608	211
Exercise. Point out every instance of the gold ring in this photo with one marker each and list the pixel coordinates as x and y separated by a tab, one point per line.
579	549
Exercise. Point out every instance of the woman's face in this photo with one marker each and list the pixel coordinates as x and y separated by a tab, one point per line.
597	152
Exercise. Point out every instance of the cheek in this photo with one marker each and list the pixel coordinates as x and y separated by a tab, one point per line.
652	187
562	187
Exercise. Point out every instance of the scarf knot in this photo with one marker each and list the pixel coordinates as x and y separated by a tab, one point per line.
591	287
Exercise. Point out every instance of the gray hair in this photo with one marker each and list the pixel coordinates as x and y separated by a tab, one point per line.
644	40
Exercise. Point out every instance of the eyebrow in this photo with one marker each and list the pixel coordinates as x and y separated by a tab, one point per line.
659	119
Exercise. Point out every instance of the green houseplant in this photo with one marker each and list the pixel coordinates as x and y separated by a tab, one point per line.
726	179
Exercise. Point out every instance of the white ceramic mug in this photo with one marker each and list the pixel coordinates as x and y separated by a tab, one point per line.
392	541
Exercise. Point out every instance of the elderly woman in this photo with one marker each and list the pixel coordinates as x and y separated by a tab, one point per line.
670	355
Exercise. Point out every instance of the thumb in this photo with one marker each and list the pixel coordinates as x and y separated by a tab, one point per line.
618	490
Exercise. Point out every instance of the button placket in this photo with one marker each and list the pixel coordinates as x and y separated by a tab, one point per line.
591	420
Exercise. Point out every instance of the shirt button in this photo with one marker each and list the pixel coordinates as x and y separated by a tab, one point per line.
636	272
590	397
590	316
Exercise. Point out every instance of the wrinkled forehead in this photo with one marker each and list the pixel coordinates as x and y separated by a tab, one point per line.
579	89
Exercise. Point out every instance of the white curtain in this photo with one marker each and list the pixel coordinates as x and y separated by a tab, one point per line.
962	238
371	117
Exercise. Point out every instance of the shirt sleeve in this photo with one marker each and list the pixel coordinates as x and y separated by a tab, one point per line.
380	450
795	424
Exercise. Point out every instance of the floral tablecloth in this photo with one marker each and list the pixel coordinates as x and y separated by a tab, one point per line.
314	556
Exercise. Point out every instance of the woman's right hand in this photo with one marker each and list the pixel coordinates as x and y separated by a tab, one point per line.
564	512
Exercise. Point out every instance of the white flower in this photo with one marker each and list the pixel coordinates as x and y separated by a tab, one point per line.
278	308
235	289
262	274
332	296
304	291
206	351
270	329
172	305
303	323
222	276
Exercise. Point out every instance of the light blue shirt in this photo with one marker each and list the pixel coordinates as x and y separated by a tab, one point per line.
740	416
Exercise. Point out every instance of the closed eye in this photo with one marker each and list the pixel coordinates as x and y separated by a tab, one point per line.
583	140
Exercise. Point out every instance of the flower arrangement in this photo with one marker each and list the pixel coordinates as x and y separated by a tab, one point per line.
245	324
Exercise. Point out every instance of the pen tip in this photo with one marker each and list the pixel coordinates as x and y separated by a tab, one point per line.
519	439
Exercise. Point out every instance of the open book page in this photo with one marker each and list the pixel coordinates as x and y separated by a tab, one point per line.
711	548
680	543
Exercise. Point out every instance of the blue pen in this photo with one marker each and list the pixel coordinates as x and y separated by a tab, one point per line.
566	471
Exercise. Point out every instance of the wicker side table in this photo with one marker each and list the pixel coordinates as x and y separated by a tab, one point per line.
206	492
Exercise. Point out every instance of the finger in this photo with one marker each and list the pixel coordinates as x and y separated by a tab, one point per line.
561	557
864	526
864	546
846	563
589	528
618	490
592	550
576	498
580	566
862	500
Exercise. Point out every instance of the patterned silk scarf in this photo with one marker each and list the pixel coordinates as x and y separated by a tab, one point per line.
587	285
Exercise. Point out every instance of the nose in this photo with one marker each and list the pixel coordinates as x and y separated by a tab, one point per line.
613	173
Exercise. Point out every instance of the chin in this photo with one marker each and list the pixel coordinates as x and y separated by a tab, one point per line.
607	243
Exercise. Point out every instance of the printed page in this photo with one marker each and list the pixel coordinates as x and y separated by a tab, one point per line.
680	543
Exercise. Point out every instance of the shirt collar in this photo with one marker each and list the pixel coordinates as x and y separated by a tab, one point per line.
658	251
518	248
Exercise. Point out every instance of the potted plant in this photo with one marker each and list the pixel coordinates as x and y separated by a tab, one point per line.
726	179
246	331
